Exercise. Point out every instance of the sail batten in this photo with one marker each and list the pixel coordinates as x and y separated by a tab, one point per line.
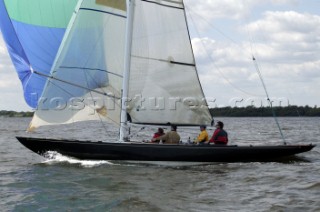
184	64
96	69
76	85
166	61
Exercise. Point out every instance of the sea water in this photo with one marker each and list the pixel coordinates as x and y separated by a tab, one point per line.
29	182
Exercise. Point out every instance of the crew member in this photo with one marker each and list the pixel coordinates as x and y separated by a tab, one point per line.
220	136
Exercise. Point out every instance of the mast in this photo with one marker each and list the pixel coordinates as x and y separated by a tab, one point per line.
126	72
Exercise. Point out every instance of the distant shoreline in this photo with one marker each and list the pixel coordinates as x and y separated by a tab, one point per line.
250	111
10	113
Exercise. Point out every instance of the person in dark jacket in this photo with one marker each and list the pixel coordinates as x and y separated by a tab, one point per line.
220	136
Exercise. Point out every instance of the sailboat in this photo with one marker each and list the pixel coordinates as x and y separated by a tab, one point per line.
122	63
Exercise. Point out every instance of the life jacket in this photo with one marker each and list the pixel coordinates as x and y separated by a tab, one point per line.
219	137
203	136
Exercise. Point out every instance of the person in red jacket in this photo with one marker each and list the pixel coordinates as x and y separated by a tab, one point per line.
220	136
158	134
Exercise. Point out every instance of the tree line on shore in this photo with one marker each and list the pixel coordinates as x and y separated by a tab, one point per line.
11	113
249	111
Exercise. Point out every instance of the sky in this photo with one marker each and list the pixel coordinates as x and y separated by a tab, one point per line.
282	35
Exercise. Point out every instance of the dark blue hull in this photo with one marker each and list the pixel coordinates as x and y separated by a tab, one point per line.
158	152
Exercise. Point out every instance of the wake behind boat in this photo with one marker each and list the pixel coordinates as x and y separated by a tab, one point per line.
162	152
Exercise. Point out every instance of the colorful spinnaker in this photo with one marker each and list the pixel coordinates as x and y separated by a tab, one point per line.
33	31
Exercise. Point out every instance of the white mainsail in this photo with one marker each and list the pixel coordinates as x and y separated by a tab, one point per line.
164	85
87	74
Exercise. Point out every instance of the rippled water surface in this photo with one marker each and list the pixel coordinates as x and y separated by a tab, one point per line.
29	182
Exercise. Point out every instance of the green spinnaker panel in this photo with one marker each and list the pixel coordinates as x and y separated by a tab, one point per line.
47	13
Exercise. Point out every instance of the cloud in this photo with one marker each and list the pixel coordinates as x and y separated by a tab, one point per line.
293	29
215	9
231	9
286	45
290	40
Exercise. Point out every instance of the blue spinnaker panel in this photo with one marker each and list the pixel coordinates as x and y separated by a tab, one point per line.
15	49
32	46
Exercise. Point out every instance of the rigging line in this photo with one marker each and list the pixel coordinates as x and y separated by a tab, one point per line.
71	95
73	84
270	103
218	69
94	80
96	69
58	86
136	133
100	116
93	48
220	32
259	73
194	59
115	122
85	75
107	117
252	44
91	69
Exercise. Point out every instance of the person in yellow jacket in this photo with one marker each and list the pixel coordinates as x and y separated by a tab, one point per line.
203	136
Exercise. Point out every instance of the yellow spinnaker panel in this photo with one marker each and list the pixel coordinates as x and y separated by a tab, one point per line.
117	4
